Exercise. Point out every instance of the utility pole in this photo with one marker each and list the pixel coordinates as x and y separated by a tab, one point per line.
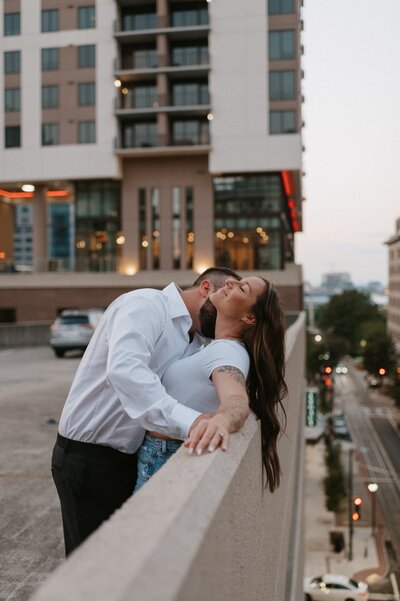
350	504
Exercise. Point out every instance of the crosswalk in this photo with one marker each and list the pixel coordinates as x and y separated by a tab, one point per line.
388	412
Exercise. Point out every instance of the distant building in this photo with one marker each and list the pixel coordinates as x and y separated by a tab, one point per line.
394	286
335	283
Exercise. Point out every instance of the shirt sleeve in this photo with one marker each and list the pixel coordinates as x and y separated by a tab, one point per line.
225	352
132	337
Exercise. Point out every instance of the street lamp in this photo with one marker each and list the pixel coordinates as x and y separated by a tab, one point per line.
318	338
373	487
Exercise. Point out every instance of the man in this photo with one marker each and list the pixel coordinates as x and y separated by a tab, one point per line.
117	395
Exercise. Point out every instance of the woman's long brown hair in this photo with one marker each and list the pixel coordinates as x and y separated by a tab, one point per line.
265	342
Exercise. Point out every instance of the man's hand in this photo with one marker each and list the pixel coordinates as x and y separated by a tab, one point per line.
208	432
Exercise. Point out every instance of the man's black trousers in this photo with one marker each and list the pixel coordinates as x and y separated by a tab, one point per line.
92	482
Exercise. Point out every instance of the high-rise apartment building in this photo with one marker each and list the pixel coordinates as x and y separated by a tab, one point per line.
393	311
171	128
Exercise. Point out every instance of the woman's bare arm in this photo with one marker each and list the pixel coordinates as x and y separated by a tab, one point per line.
210	433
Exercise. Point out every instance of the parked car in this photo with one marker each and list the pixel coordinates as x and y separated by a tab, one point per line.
335	588
373	381
73	329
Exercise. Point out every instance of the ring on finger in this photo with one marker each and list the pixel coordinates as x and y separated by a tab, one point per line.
222	434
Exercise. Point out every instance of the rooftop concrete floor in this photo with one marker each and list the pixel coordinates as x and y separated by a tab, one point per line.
33	388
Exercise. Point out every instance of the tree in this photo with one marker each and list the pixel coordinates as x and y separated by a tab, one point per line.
378	349
344	314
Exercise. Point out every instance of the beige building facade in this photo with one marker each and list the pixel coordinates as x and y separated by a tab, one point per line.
150	136
394	286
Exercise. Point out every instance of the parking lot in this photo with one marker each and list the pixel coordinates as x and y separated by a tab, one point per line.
33	388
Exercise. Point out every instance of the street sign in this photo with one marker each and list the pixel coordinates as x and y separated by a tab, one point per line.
311	406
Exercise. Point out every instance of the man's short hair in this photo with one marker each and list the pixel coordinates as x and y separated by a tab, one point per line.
217	275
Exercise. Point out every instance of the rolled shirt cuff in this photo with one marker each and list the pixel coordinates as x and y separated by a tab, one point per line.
180	420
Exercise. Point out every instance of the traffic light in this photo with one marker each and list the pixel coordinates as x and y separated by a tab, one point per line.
328	370
382	371
356	515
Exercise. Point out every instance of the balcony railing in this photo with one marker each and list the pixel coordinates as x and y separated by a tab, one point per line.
152	60
135	23
160	141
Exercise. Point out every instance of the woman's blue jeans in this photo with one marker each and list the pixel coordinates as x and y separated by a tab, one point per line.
152	455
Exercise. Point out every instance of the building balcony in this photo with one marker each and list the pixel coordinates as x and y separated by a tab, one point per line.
130	69
161	145
126	105
182	24
207	523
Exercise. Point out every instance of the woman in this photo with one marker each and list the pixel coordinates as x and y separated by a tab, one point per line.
244	366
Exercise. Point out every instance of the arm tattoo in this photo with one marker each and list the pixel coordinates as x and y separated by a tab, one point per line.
234	372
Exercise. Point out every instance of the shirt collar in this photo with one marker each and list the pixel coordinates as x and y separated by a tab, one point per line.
175	301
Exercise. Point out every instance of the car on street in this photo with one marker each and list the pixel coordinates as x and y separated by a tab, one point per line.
373	381
335	588
73	329
341	369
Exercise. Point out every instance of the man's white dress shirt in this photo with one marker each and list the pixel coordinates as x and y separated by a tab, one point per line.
117	394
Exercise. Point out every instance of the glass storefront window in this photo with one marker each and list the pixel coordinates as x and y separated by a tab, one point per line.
155	227
143	242
98	221
176	227
248	230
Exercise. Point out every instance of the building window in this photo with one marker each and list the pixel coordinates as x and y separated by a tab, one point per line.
190	94
155	227
87	94
12	61
134	22
142	96
249	233
189	18
50	59
12	24
87	56
282	122
49	97
188	132
189	55
176	227
145	59
282	85
12	99
280	7
143	241
50	20
281	45
86	132
86	17
12	135
140	135
49	134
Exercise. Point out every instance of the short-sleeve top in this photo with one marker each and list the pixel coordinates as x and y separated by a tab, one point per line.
188	380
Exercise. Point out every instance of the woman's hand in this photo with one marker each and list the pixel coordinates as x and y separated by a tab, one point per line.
208	433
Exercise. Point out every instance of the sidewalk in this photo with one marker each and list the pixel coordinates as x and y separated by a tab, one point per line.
368	561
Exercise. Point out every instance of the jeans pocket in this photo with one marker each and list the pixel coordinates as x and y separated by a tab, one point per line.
146	462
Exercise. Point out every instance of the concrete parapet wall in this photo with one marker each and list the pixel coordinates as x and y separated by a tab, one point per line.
204	527
24	334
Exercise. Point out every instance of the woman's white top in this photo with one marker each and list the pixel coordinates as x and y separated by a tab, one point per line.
188	379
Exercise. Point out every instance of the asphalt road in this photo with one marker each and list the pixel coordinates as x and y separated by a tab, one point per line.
372	420
33	388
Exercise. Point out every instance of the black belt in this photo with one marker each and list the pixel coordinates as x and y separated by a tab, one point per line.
96	451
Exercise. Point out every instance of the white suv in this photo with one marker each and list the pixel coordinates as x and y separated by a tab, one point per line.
73	329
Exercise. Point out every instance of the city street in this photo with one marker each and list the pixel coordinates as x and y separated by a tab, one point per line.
372	420
33	387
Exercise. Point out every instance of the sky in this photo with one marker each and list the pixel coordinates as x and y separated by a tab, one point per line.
351	136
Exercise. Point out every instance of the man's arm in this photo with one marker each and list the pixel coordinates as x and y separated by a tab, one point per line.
209	433
132	337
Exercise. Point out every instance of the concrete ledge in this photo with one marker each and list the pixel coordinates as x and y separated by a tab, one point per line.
203	527
24	334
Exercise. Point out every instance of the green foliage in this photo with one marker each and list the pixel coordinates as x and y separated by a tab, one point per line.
344	314
334	484
378	350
